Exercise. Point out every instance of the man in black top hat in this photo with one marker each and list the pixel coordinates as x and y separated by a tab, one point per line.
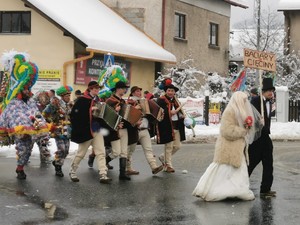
261	150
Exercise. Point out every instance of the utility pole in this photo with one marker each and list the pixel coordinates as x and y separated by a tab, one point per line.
257	15
257	10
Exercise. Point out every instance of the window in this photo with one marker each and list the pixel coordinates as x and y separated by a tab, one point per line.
15	22
179	25
213	34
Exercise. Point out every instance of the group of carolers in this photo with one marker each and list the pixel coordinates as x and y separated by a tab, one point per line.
75	122
87	131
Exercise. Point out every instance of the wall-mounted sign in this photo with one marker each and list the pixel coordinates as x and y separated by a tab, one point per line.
48	79
90	69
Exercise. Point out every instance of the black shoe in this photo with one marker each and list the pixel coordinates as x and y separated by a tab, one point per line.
59	173
268	194
91	161
109	166
21	175
124	177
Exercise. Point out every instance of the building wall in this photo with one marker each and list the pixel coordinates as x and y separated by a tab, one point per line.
143	74
46	45
197	35
199	15
144	14
50	49
292	24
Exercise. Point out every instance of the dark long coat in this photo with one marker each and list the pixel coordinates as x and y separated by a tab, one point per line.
81	119
165	130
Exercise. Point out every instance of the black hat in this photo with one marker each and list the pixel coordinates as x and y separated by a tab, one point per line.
93	84
119	84
134	88
78	92
171	86
267	84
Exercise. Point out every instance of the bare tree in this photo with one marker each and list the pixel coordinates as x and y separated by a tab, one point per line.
271	33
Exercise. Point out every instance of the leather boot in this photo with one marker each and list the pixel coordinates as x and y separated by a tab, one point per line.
58	171
123	175
91	160
108	159
21	175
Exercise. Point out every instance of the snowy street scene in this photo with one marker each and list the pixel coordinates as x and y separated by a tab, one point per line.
162	112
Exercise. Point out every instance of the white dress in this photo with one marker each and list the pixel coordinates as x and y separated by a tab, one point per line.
221	181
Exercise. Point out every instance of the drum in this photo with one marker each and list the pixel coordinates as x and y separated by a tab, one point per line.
130	114
108	114
151	108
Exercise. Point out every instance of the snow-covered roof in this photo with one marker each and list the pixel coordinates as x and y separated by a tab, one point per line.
101	29
239	3
288	5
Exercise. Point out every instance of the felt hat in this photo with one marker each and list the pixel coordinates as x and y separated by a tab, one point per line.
93	84
133	89
170	86
78	92
267	84
119	84
64	90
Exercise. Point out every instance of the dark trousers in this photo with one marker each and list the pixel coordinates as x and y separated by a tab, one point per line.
262	151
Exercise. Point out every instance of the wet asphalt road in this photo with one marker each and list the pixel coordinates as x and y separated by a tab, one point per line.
164	199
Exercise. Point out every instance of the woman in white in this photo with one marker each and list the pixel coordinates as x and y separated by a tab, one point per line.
227	175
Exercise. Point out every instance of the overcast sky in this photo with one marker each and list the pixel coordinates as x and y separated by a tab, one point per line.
239	14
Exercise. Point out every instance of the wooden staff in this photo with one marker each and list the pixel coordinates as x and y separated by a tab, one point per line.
261	97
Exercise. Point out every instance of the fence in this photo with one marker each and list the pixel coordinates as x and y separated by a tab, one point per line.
294	110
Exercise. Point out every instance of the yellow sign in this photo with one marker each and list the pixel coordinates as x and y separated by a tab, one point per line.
259	60
48	75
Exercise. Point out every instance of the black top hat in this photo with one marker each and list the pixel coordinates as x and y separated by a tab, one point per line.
267	84
171	86
119	84
134	88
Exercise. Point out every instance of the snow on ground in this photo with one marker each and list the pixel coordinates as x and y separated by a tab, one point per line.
279	131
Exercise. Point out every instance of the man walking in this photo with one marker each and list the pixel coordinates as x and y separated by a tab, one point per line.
261	150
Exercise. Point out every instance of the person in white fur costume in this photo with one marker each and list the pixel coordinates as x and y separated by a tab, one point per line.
227	176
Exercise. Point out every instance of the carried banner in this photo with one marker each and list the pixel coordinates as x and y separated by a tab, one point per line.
259	60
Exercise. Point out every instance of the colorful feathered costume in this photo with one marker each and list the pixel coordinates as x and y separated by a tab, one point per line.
20	119
58	113
108	79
